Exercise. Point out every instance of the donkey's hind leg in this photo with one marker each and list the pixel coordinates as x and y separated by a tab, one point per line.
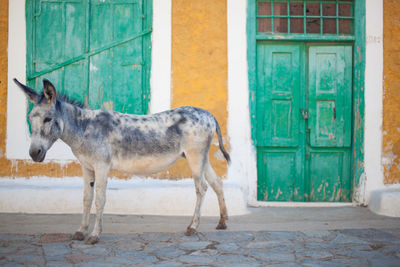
196	163
217	186
88	183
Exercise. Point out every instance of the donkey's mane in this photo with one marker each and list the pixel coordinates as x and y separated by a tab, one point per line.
65	98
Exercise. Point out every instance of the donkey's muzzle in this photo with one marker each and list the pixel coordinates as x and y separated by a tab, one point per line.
37	153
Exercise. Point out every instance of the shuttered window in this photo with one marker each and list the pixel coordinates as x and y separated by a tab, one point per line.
95	51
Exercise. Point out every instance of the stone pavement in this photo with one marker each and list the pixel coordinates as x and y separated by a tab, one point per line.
269	236
356	247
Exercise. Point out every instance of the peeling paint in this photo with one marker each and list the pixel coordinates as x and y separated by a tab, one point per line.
388	159
218	155
320	188
360	192
93	67
109	105
338	193
278	194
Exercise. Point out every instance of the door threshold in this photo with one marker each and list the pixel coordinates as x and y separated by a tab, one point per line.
300	204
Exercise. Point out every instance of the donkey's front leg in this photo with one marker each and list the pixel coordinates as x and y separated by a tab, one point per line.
101	186
88	183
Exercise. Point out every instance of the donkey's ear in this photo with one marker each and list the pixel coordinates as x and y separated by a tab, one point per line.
29	92
49	91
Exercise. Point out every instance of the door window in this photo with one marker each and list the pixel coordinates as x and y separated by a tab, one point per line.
305	17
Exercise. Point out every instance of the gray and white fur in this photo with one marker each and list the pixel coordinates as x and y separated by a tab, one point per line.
138	144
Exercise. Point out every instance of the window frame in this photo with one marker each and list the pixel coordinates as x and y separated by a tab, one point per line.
306	36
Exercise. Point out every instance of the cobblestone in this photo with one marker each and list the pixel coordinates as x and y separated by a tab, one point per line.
369	247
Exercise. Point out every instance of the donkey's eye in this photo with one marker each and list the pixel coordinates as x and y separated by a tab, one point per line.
46	120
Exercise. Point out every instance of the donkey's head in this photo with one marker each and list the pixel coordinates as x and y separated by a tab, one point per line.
45	118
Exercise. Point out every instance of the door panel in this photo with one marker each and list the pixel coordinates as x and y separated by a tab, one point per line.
329	95
278	183
278	95
328	170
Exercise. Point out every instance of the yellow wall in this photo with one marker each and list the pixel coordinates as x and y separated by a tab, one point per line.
3	83
199	64
391	88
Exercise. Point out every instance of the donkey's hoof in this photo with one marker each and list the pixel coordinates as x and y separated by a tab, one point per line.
221	226
78	236
190	231
92	240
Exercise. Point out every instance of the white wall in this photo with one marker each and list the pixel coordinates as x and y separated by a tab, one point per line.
160	80
373	178
243	169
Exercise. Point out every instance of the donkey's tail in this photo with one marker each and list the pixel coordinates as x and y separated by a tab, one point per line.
221	144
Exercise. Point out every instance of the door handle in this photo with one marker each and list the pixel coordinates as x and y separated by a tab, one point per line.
305	114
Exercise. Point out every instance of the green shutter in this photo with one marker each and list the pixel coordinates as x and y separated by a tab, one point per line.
95	51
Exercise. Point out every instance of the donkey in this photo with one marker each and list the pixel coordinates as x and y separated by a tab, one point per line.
138	144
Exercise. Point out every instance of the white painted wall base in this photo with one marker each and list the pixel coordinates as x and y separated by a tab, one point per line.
134	196
292	204
386	201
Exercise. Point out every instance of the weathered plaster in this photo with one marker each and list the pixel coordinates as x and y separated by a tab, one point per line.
3	68
391	91
4	164
199	65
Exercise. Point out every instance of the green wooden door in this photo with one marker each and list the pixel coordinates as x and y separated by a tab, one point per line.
280	146
303	110
329	125
95	51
